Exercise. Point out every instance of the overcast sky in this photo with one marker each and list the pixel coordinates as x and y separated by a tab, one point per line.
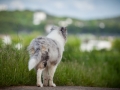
82	9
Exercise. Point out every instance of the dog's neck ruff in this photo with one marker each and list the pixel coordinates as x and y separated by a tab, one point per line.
57	37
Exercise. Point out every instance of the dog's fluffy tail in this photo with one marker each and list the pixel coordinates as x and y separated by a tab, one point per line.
35	56
32	63
34	60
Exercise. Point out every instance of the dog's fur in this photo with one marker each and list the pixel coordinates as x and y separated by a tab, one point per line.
46	53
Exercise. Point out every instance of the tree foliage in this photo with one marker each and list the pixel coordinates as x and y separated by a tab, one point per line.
18	21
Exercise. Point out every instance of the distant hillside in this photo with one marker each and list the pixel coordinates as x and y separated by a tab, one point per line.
18	21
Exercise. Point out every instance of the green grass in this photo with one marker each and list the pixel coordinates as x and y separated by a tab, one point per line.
99	71
97	68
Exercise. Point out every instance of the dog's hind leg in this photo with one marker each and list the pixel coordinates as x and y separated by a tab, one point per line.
45	77
40	67
51	71
39	82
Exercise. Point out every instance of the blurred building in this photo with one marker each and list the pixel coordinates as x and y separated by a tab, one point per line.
66	22
95	45
38	17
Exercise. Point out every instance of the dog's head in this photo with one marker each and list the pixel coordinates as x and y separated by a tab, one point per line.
62	31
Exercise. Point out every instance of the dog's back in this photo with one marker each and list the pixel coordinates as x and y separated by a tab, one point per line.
44	50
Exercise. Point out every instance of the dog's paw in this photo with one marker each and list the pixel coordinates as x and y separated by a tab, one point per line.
45	82
52	85
45	85
39	85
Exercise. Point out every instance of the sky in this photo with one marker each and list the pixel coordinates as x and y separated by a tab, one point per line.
82	9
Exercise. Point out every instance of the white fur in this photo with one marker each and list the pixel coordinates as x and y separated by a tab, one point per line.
55	36
39	72
52	70
32	63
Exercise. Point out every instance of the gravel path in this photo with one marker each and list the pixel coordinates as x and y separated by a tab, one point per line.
56	88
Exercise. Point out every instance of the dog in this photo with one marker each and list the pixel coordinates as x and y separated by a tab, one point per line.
45	55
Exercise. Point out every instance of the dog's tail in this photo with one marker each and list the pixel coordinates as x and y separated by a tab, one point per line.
35	56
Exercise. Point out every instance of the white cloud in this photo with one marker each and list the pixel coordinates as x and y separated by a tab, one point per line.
16	4
59	5
84	5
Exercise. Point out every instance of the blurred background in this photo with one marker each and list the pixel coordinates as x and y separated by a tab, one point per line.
92	48
90	20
